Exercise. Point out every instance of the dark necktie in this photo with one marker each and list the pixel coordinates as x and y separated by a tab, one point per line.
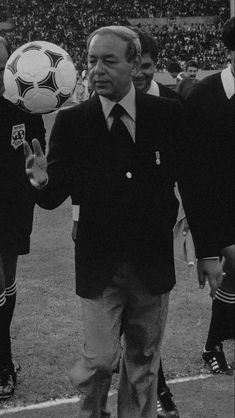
119	131
122	143
123	169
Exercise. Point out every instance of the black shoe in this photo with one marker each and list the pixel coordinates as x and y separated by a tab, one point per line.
215	360
165	406
7	382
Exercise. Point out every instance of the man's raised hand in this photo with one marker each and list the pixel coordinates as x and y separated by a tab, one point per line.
35	164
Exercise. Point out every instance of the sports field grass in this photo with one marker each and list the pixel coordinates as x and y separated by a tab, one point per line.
46	329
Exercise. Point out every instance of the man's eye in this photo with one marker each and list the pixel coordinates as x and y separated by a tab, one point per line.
91	60
110	61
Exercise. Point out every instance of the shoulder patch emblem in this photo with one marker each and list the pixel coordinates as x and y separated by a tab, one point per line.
17	135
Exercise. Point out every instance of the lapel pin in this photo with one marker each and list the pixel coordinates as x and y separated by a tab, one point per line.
129	175
157	154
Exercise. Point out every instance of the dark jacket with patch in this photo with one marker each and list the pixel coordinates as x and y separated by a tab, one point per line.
17	196
210	203
121	218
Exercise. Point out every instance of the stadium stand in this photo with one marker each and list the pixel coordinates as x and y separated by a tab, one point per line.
198	42
68	22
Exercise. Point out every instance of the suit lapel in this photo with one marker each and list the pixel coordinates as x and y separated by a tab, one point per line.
145	136
97	127
140	134
98	139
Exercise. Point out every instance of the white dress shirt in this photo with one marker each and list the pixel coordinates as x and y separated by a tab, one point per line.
228	82
154	89
128	118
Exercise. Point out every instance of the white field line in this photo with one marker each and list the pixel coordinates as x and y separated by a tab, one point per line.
76	399
41	405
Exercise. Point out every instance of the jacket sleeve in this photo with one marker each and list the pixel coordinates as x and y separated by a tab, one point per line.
199	185
63	165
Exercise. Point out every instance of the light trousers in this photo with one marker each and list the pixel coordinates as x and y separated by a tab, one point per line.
142	316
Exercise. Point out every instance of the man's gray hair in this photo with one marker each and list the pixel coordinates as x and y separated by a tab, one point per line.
124	33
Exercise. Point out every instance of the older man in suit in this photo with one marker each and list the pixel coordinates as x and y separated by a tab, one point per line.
118	156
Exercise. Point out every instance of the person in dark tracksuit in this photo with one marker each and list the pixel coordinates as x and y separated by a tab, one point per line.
16	213
211	114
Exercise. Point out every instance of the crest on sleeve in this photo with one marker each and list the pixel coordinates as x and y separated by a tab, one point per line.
17	135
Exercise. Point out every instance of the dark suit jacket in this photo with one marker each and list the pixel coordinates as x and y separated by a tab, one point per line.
120	218
168	93
210	203
185	86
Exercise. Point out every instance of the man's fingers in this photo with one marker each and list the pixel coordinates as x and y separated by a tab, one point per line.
202	282
27	149
35	164
201	278
213	288
37	147
29	163
214	282
29	157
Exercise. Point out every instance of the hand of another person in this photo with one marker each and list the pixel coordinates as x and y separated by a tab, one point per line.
35	164
210	269
229	255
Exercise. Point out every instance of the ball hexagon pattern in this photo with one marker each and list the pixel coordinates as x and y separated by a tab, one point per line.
39	77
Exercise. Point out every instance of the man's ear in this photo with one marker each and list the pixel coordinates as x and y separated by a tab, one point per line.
136	65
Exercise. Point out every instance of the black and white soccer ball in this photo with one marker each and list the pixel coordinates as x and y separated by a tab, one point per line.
39	77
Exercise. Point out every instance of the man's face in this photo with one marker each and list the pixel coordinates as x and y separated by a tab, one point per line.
191	72
142	80
110	73
3	60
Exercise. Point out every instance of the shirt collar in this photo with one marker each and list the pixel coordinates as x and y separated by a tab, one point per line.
153	89
127	102
228	82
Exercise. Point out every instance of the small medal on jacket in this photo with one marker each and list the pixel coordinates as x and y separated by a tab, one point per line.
157	155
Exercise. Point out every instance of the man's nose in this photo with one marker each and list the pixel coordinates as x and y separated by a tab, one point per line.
99	67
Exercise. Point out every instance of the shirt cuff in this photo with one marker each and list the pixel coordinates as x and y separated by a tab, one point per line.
211	258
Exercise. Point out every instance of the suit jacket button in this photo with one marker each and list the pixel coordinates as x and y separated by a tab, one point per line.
129	175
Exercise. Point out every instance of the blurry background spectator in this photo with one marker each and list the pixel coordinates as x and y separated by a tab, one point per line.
186	80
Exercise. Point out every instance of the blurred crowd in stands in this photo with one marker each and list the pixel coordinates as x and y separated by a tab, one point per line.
198	42
68	22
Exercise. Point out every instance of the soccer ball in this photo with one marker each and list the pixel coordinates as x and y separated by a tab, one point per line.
39	77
